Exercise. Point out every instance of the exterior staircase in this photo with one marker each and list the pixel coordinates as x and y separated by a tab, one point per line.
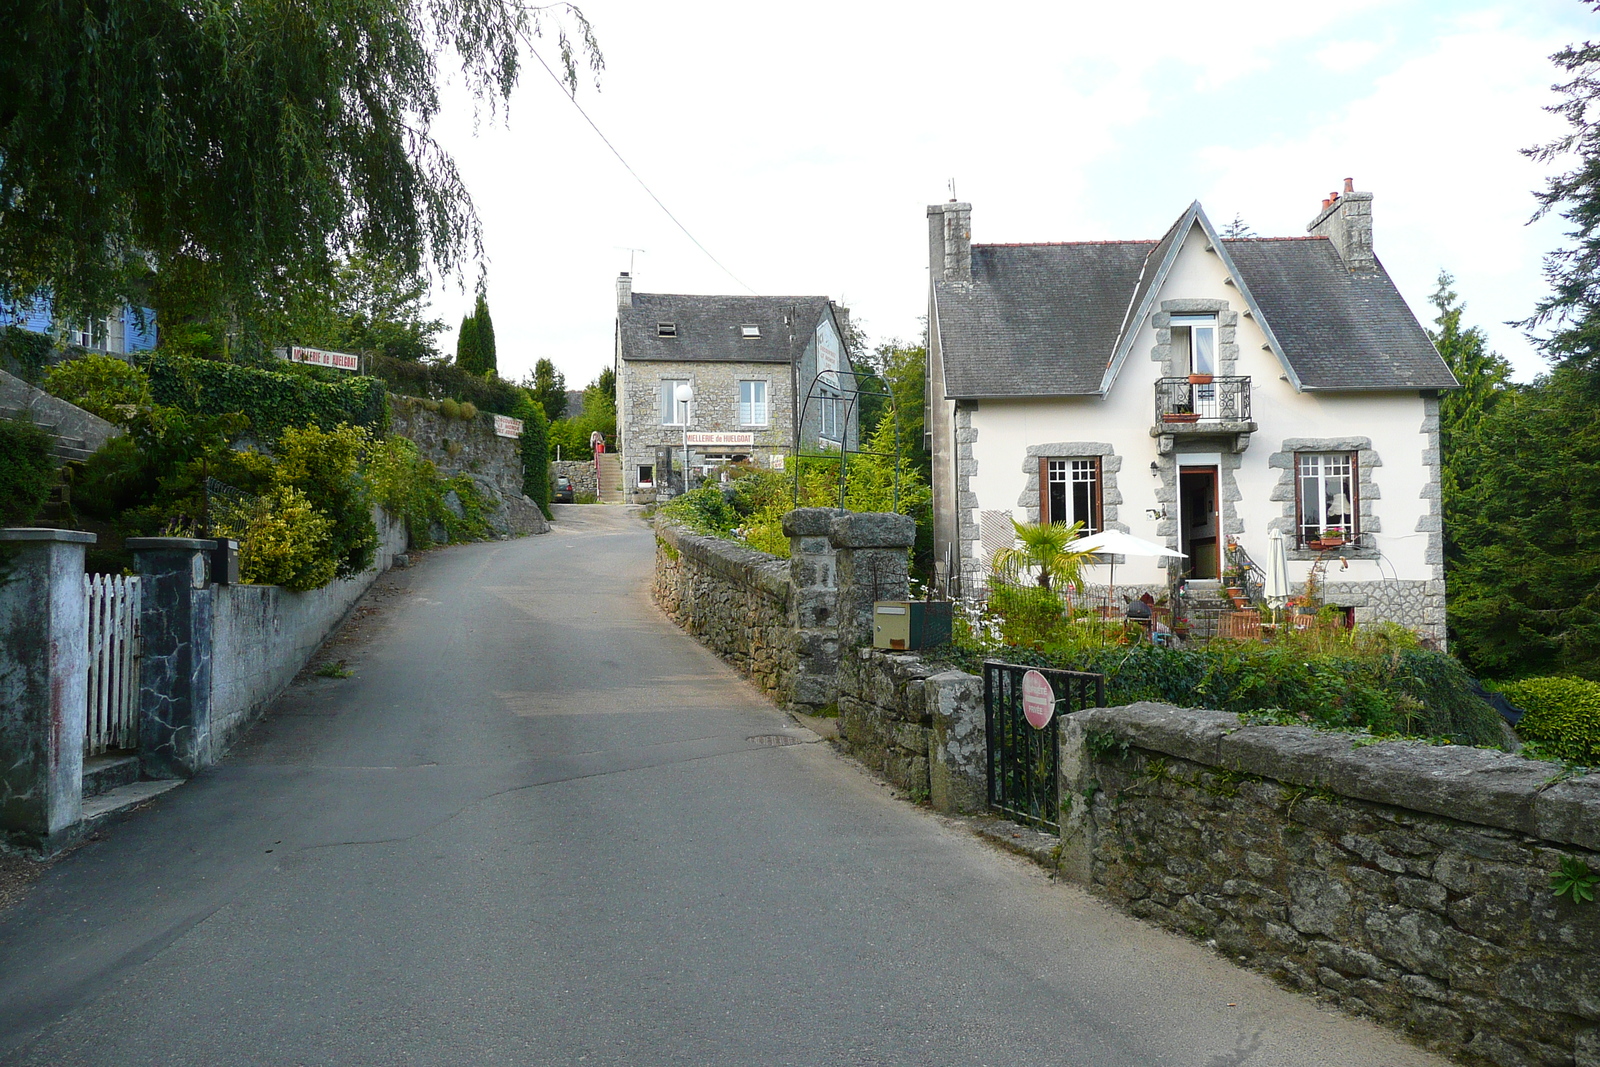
608	468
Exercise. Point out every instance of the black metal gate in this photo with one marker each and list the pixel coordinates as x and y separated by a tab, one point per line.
1022	758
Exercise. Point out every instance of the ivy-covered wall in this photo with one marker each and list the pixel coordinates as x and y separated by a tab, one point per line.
272	400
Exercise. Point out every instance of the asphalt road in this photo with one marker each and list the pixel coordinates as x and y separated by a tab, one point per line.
533	828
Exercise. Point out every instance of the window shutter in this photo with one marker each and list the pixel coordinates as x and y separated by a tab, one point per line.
1099	498
1044	489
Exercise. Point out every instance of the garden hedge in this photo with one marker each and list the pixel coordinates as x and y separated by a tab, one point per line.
273	400
440	381
1561	715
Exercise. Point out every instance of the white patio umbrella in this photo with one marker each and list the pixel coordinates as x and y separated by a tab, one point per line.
1117	543
1277	585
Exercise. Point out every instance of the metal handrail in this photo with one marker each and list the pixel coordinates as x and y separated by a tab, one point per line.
1222	399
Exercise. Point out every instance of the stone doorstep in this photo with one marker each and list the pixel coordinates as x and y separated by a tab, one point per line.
101	774
124	798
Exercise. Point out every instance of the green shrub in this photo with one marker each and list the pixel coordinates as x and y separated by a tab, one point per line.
324	465
272	400
102	385
434	380
283	541
704	510
469	410
28	474
450	409
410	488
1561	715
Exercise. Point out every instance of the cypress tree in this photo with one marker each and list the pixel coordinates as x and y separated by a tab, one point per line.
467	345
485	338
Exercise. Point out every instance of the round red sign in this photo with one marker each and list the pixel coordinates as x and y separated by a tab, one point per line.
1038	700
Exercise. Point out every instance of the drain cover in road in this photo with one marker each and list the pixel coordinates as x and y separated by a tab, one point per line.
774	740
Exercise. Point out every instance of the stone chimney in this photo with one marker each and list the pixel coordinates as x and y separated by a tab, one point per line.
1346	220
950	241
624	292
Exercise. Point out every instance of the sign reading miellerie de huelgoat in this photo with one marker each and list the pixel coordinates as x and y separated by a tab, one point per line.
726	440
319	358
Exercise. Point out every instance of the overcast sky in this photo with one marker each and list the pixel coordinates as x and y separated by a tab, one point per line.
801	146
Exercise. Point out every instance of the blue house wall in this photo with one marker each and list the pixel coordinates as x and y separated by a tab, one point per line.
138	325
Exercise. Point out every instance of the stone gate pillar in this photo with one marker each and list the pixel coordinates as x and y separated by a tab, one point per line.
813	608
872	553
44	676
175	669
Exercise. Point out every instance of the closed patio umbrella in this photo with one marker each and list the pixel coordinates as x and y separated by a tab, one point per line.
1277	585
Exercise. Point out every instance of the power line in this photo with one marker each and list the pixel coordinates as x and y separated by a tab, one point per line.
601	134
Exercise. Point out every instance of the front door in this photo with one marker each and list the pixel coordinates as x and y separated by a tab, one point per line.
1197	521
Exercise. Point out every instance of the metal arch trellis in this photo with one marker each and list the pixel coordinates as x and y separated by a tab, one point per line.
851	398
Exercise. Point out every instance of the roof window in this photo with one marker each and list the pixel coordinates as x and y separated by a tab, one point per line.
666	329
749	329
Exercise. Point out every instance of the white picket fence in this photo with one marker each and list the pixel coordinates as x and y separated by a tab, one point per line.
113	705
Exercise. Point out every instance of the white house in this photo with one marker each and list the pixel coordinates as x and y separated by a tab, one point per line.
1060	388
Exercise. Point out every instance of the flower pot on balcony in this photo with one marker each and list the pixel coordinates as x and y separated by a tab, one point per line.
1199	379
1180	416
1322	544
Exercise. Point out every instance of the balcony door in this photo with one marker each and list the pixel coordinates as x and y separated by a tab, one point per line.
1198	523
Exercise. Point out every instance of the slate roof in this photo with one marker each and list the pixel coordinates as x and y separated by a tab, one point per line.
1048	319
708	327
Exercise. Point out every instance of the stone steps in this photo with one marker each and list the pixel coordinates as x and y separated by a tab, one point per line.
102	774
608	466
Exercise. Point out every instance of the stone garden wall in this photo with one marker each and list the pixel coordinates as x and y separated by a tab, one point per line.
920	727
585	479
735	600
1403	881
471	446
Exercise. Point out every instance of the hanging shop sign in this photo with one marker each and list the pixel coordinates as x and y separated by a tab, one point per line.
725	440
506	426
319	358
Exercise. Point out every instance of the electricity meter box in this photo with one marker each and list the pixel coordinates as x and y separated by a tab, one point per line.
907	625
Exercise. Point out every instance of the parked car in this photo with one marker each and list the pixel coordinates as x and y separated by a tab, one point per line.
563	493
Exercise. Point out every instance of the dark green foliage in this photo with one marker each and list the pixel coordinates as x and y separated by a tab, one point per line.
467	346
1410	692
599	413
24	353
705	510
326	467
535	444
1525	582
271	400
261	138
439	380
1561	714
488	360
373	307
27	474
549	388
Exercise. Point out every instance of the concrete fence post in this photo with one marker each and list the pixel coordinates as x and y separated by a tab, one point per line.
872	552
175	672
44	675
813	608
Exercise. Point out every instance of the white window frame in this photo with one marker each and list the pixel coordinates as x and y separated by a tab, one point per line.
1070	473
832	416
1326	475
754	412
1198	326
674	412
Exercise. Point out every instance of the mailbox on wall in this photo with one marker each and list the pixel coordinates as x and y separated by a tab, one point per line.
906	625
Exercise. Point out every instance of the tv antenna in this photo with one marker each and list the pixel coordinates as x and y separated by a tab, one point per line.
952	184
631	252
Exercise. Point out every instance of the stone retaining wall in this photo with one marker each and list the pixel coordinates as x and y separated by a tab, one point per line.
920	727
735	600
1402	881
585	479
472	447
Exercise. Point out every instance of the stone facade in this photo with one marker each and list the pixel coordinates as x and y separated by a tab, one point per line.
1402	881
585	479
715	409
472	447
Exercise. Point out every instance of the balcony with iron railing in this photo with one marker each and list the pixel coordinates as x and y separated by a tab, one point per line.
1203	405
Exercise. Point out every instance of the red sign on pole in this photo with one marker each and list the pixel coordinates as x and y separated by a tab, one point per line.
1038	700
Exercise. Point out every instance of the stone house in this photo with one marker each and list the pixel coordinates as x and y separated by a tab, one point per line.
770	377
1196	392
